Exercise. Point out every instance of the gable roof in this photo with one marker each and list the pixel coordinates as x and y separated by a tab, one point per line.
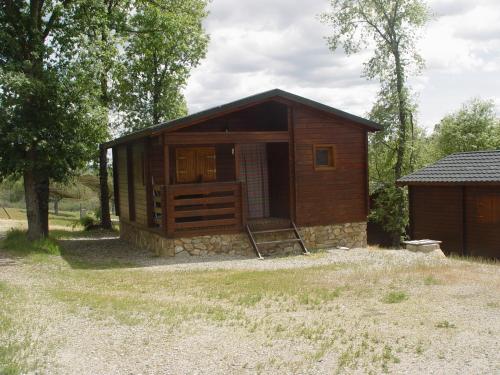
459	168
238	104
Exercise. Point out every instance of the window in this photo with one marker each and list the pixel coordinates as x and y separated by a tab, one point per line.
324	157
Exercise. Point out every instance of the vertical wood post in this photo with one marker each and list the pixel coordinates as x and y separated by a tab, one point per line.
148	182
103	181
116	186
291	163
165	194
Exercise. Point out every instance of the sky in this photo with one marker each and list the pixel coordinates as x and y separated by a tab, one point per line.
258	45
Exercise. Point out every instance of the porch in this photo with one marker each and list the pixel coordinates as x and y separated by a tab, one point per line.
220	175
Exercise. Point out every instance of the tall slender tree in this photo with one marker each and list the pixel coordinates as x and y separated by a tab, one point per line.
165	41
390	28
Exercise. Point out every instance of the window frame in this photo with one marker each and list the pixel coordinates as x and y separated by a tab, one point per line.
332	157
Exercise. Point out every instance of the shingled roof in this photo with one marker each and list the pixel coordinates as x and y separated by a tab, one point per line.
459	168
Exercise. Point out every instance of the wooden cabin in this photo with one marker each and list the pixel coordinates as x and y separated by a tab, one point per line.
457	201
270	170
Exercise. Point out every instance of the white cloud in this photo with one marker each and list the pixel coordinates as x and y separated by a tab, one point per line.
257	45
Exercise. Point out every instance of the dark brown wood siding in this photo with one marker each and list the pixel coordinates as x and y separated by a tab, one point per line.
156	162
121	152
437	215
329	196
138	159
482	221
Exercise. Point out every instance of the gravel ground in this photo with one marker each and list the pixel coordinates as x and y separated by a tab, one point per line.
448	322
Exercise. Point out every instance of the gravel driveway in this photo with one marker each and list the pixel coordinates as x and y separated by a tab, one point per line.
105	307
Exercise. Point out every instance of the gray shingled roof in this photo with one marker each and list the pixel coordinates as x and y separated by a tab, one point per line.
462	167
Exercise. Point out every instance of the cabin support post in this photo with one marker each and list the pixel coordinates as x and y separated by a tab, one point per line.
148	182
165	191
104	189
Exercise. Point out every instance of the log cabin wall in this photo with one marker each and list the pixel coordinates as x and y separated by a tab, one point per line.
329	196
139	184
121	163
436	213
482	221
156	161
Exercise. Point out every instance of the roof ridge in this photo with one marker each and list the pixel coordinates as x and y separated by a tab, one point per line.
473	152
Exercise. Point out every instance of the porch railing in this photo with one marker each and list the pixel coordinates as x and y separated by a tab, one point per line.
197	209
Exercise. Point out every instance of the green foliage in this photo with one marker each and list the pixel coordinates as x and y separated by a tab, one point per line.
17	242
386	209
89	222
392	26
167	41
472	128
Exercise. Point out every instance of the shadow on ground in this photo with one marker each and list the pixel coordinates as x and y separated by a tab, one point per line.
107	251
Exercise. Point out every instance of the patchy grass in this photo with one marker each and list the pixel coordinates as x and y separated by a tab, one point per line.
395	297
16	242
15	343
323	318
431	280
64	218
445	324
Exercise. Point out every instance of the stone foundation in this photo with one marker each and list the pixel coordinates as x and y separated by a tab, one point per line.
330	236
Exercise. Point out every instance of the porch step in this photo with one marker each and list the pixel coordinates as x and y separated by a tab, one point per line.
278	241
293	228
272	231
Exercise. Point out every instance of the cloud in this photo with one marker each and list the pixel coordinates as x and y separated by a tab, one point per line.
257	45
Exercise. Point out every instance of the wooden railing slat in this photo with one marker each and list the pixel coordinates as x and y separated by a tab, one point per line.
205	212
205	223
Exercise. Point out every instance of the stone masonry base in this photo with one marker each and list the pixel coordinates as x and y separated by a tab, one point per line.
318	237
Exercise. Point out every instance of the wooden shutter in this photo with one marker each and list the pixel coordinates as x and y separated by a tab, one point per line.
205	164
195	165
185	166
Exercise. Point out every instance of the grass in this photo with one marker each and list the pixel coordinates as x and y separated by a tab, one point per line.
330	313
15	344
64	218
445	324
16	242
395	297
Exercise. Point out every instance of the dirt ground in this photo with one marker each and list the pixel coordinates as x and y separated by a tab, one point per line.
105	307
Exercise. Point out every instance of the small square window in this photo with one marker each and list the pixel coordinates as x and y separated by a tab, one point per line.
324	157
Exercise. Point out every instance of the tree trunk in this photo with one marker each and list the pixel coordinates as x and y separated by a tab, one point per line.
103	179
36	190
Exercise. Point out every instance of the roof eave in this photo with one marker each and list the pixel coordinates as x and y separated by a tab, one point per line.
238	105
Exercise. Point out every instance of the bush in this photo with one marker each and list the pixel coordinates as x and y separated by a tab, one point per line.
97	213
17	241
89	222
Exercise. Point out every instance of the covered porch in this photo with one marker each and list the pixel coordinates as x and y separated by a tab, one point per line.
231	171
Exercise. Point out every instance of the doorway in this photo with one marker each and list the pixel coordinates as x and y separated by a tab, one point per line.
264	168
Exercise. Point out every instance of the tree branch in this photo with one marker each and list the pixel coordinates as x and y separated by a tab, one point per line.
53	18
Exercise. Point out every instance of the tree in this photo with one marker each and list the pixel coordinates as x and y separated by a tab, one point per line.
164	42
391	28
472	128
50	120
